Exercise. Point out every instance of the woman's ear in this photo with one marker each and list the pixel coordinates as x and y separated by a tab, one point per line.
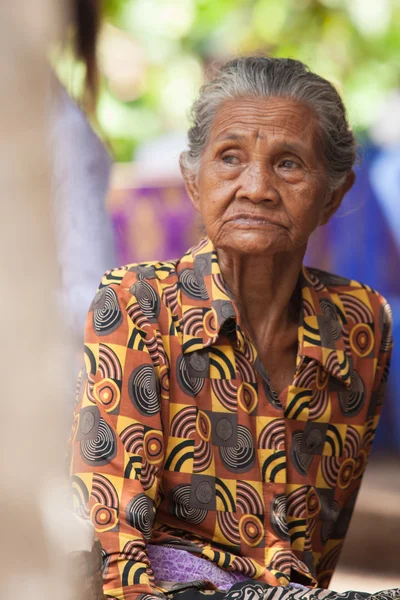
190	181
336	197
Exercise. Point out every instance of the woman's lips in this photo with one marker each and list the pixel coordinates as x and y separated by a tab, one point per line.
253	221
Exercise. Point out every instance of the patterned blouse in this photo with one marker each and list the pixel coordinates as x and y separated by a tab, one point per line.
180	440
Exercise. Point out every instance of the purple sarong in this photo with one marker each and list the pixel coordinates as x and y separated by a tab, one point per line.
179	566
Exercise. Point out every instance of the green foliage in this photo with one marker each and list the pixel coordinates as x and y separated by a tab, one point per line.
355	43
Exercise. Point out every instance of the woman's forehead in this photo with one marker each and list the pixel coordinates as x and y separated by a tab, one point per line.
240	118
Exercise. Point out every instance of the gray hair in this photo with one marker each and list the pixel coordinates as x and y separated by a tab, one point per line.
270	77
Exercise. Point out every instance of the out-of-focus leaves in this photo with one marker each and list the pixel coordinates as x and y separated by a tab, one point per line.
354	43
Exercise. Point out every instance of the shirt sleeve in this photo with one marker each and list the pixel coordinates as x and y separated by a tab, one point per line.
330	555
117	442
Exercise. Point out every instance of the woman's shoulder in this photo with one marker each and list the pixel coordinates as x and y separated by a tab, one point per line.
357	301
335	282
128	275
140	290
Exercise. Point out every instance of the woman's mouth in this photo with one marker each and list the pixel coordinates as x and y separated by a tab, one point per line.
246	220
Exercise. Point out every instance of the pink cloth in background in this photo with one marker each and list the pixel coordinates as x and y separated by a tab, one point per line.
179	566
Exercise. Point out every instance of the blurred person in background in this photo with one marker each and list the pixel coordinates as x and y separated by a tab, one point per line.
231	397
81	172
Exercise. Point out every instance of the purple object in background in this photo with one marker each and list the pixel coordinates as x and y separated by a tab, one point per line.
179	566
153	223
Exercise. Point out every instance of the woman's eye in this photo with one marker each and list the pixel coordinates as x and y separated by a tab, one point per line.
230	159
289	164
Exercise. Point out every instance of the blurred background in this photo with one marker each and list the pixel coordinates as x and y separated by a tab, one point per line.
117	196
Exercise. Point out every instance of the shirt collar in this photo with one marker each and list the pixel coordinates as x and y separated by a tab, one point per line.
210	308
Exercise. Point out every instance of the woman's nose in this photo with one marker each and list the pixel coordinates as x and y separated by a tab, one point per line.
257	184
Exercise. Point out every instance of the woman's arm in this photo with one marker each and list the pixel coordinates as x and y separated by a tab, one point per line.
383	332
117	443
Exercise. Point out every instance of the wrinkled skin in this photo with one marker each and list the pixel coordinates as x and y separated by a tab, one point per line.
262	188
262	185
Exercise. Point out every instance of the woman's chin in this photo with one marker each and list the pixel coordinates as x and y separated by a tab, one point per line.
254	242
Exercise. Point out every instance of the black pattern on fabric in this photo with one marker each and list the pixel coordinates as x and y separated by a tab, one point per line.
254	590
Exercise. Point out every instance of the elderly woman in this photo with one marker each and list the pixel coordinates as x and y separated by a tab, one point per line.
231	397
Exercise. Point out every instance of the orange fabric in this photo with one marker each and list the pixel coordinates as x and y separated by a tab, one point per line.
180	439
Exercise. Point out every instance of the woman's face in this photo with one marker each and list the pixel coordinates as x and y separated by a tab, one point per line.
262	186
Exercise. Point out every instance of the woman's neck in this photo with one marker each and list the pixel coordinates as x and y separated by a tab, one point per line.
265	289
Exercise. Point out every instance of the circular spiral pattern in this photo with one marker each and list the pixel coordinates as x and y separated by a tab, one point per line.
164	382
336	329
102	449
239	458
328	308
132	438
362	340
193	322
189	385
313	503
104	518
355	309
153	447
318	404
361	463
248	500
278	516
191	286
183	424
352	402
180	506
143	390
148	475
245	368
104	492
229	527
246	567
251	530
273	435
282	561
107	393
147	298
202	456
346	473
107	314
226	393
330	466
210	323
353	443
140	514
296	503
